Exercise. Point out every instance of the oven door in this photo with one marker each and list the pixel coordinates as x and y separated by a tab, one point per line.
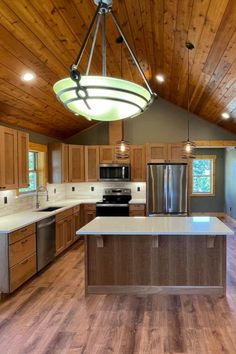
112	210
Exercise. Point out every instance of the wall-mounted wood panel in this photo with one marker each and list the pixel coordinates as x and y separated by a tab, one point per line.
45	37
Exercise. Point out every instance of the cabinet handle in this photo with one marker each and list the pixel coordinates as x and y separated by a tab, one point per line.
26	261
23	230
23	242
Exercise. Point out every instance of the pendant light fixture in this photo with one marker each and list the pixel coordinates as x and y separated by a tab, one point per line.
188	145
122	149
103	98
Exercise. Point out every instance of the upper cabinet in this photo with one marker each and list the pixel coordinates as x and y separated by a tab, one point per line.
138	163
76	163
107	154
23	159
91	161
58	163
164	153
8	159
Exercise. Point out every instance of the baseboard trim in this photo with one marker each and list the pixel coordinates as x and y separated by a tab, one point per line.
158	290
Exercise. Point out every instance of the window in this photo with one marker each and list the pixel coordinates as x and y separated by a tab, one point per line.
37	167
33	173
202	175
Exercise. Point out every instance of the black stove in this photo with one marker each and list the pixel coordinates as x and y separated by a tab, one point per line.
115	202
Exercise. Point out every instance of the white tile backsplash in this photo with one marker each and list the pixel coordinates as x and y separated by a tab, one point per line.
58	192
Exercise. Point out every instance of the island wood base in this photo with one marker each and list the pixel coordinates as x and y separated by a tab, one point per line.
155	264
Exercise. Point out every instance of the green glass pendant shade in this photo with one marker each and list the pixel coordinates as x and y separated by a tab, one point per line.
103	98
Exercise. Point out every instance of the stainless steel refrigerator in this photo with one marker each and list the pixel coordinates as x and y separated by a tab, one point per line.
167	189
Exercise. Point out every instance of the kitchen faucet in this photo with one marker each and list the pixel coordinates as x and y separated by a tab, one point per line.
38	190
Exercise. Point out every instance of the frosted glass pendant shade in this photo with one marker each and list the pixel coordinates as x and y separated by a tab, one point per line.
103	98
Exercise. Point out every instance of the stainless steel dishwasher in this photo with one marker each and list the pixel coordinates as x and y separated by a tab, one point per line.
46	242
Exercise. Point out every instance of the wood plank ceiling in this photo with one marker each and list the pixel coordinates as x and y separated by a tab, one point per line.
45	37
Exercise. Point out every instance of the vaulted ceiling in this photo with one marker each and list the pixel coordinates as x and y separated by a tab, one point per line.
45	37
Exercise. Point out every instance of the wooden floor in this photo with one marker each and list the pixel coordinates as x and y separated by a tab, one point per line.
51	315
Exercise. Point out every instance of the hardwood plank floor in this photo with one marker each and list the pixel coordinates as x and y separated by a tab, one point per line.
51	315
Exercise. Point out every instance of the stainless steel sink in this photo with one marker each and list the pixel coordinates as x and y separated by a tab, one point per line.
50	208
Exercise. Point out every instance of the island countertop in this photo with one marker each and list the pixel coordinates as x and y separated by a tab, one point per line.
166	225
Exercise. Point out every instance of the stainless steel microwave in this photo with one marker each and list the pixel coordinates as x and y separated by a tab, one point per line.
114	172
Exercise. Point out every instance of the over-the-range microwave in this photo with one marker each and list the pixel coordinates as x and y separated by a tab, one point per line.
114	172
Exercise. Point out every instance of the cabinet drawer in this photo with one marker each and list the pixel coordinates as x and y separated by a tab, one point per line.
21	233
22	272
63	214
22	249
91	207
137	207
137	213
76	208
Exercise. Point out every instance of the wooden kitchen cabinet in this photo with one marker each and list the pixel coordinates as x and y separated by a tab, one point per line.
91	162
64	230
58	163
23	159
76	163
17	258
137	210
89	213
107	154
164	153
77	220
8	159
138	163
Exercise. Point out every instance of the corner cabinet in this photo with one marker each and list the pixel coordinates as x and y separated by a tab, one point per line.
76	163
138	163
8	159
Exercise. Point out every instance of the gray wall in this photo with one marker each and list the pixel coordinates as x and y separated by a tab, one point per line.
217	202
162	122
230	183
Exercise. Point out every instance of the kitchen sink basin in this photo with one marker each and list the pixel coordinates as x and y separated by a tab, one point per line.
50	208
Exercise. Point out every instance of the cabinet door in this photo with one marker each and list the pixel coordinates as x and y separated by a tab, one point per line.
107	153
91	161
69	231
156	152
58	163
76	163
138	163
60	236
77	224
89	215
8	159
137	210
175	153
23	159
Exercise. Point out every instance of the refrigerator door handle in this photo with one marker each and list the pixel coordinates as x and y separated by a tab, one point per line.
166	188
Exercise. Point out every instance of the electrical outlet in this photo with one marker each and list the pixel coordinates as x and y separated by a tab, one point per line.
230	209
73	189
5	200
92	189
138	189
55	190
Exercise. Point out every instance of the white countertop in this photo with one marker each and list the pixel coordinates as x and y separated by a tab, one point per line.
197	225
12	222
15	221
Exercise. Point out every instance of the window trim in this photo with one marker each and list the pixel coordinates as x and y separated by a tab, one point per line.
42	175
213	176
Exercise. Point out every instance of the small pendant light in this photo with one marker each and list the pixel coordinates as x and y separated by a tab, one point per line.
188	145
122	149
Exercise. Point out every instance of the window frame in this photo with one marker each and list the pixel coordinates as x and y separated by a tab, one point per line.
42	169
213	176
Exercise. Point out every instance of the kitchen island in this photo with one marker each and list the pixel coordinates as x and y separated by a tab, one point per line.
150	255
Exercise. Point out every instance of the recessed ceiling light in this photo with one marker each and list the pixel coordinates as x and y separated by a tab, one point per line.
28	76
225	115
160	78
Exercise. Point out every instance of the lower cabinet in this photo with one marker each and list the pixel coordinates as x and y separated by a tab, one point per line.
64	230
17	258
77	220
89	213
137	210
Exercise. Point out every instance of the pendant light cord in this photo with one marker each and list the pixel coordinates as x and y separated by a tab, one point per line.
188	93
